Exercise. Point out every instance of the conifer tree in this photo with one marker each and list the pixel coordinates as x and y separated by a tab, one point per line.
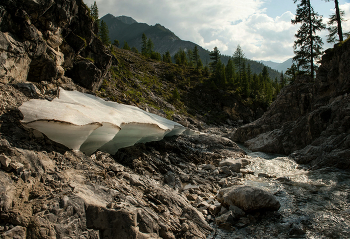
195	56
336	18
150	47
167	57
307	46
144	45
126	46
134	49
214	56
238	58
116	43
230	72
199	64
94	14
94	11
181	58
104	33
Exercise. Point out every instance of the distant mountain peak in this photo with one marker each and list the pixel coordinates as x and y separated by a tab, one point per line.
126	19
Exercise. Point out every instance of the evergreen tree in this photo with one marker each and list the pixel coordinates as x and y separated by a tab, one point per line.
190	58
126	46
150	47
156	56
292	72
336	18
307	46
214	56
144	45
94	12
180	57
283	80
230	72
248	81
134	49
116	43
167	57
238	59
195	56
104	33
199	64
94	15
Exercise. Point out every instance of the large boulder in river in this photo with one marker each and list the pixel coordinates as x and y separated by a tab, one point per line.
248	198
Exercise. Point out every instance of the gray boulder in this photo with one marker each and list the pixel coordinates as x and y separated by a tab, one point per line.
248	198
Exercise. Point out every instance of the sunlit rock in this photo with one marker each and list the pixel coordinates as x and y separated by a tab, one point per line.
88	123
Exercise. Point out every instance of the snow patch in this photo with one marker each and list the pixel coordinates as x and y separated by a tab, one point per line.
87	123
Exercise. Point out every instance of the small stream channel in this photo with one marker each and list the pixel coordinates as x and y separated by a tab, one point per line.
314	204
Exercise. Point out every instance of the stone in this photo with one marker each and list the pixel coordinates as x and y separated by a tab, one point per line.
248	198
234	165
192	197
16	166
17	232
5	161
116	168
236	211
208	167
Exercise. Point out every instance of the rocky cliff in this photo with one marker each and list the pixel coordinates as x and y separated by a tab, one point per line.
310	119
50	41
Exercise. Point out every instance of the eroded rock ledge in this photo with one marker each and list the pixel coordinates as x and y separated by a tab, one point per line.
309	120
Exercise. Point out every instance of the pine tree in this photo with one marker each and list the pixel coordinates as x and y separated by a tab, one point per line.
167	57
307	46
181	58
214	56
94	11
150	47
337	18
230	72
134	49
195	57
144	45
292	72
126	46
239	59
104	33
116	43
94	15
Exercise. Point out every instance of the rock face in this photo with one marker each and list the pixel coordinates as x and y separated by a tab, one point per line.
309	120
48	40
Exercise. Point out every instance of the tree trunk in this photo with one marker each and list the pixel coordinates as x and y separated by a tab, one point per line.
311	40
337	11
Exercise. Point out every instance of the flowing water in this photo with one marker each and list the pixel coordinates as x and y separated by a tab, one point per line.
314	204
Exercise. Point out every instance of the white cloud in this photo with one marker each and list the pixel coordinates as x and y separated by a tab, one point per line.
223	23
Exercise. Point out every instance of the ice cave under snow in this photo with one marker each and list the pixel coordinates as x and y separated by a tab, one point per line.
88	123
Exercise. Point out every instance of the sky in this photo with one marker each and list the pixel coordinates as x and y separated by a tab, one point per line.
262	28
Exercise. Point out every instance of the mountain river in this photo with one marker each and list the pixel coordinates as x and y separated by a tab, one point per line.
314	203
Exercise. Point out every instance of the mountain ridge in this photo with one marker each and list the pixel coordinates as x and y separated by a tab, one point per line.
165	40
281	67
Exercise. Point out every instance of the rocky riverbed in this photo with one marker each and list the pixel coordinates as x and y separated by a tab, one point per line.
202	186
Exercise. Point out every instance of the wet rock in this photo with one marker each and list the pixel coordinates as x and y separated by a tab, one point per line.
236	211
232	164
248	198
226	220
296	230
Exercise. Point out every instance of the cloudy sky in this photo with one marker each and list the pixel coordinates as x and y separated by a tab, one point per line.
261	27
